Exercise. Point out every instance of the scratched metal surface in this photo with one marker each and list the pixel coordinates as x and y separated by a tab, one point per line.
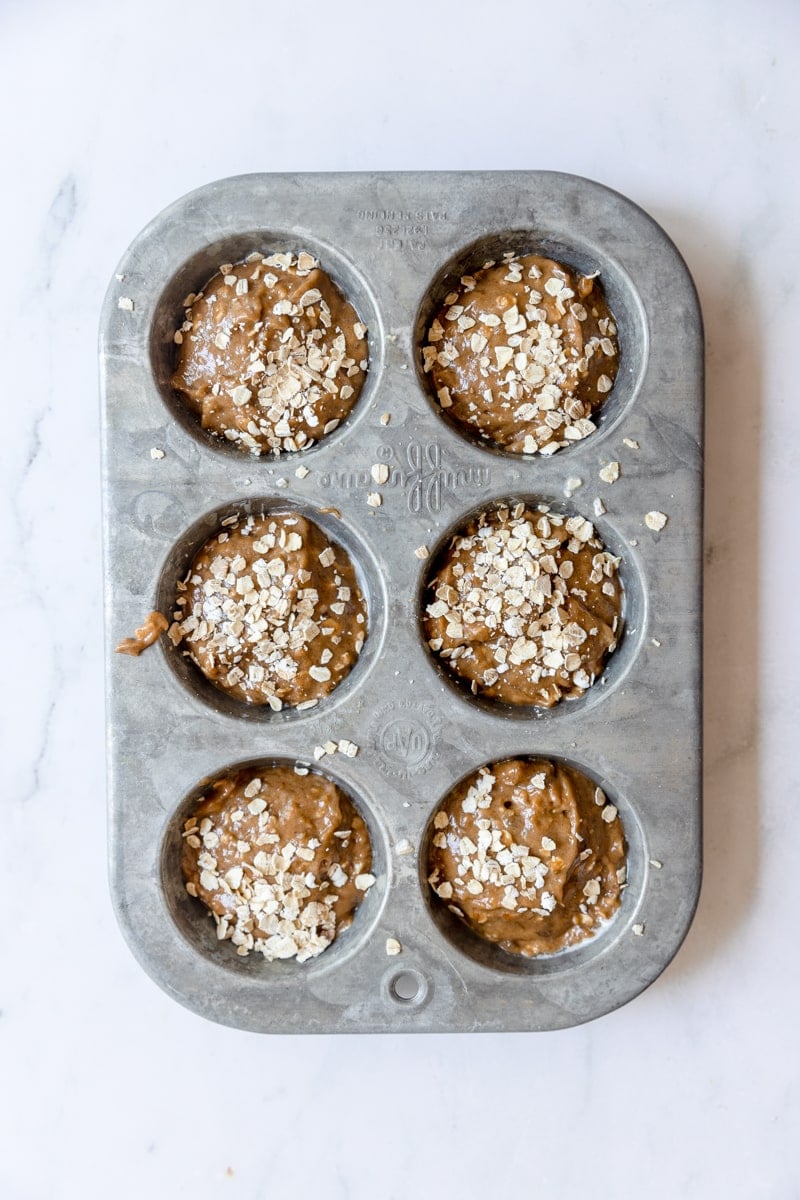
394	242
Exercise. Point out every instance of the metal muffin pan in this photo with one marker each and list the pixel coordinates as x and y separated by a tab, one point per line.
395	243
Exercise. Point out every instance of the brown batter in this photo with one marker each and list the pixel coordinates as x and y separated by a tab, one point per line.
522	353
280	857
271	355
530	854
148	632
271	611
525	606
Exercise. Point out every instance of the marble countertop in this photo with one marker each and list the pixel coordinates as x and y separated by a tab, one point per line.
110	1088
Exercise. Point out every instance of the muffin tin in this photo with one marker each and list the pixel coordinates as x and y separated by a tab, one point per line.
395	243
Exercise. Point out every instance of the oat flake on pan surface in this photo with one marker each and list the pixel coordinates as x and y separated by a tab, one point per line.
656	521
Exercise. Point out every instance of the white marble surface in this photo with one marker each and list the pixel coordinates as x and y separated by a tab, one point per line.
107	1088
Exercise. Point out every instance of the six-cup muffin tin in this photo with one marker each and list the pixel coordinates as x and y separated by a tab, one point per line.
396	243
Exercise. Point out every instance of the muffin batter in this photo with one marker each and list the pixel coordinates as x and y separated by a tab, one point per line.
270	355
271	611
525	606
148	632
529	854
280	858
522	354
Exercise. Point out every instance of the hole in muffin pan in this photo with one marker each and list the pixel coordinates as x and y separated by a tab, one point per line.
196	925
368	575
585	257
407	987
634	613
195	273
492	956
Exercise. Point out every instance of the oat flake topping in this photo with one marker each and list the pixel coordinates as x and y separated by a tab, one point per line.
271	354
525	606
522	353
271	611
280	858
523	853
